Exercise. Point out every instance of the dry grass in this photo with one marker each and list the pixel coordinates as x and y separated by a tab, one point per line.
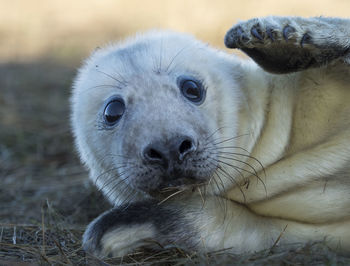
56	245
45	197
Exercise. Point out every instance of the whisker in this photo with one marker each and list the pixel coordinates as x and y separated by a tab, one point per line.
212	134
120	182
232	138
245	170
200	193
117	180
160	56
112	77
245	155
170	196
120	77
227	147
225	202
240	161
209	183
117	155
239	172
173	59
234	181
129	199
231	178
104	86
169	189
253	158
255	172
108	171
216	184
219	190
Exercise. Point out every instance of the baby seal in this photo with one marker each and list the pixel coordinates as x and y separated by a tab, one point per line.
199	149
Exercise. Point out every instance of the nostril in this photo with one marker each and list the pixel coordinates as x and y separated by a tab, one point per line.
154	154
185	146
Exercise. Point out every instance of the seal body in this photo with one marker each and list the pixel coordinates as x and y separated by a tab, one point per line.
203	150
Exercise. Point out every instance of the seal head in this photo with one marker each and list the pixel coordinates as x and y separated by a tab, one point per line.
148	113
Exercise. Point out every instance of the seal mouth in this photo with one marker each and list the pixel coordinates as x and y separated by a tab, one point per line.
174	186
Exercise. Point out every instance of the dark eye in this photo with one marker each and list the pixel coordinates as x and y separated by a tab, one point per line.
192	90
114	110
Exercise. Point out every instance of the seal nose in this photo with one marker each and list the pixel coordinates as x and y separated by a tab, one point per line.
165	153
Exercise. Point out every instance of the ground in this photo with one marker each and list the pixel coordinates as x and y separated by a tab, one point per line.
46	199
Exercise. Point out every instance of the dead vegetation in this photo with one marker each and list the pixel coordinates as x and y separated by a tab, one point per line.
54	244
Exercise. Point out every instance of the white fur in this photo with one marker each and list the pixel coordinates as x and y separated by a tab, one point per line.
125	242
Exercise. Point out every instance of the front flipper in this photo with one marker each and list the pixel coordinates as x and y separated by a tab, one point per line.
186	223
197	226
121	230
289	44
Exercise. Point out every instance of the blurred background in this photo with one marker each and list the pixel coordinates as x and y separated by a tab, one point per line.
67	30
42	42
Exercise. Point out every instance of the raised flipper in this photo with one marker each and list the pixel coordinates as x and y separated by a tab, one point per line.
289	44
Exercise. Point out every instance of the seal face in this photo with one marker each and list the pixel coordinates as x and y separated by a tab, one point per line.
147	118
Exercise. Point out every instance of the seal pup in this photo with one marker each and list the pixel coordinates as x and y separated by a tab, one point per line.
202	150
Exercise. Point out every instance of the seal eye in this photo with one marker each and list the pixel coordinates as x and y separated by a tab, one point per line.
192	90
114	110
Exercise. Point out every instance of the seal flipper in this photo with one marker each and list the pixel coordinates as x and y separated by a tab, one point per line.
290	44
123	229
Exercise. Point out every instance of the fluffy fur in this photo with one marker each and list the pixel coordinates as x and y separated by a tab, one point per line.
272	151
